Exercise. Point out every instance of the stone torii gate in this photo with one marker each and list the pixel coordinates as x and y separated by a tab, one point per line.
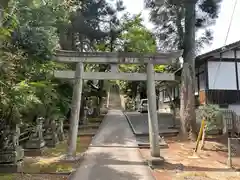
114	59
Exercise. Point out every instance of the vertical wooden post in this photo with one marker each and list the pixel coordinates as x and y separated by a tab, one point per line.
200	134
229	162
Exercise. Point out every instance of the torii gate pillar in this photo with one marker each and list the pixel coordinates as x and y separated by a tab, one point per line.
152	112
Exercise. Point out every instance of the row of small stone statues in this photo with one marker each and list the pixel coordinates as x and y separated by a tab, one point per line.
49	133
41	135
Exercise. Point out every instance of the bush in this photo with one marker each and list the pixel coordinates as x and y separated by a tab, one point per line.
212	116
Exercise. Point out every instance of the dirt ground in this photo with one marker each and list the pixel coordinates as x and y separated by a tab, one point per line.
208	164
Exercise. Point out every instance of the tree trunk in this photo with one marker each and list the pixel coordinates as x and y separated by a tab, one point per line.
180	31
173	106
100	97
187	108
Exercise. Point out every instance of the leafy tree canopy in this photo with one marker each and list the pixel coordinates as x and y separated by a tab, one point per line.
169	21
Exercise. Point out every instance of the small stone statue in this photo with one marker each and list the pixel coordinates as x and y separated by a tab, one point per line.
36	140
51	136
10	152
85	116
39	128
5	140
16	135
11	138
60	131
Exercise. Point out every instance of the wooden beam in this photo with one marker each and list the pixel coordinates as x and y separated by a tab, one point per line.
236	68
115	76
116	57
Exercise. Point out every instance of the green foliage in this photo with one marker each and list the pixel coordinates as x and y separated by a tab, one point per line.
30	32
28	89
36	29
169	18
212	115
135	37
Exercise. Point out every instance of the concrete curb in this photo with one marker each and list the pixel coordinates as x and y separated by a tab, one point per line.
129	122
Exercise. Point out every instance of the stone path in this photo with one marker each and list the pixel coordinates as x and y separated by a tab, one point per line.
112	154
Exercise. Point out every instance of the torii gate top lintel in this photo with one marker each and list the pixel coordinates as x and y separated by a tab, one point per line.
117	57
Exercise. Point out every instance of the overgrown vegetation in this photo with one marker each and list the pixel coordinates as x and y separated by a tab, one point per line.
211	116
30	32
28	88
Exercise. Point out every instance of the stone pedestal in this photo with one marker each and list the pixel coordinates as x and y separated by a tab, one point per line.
51	139
34	147
11	154
36	142
51	136
11	167
155	161
34	152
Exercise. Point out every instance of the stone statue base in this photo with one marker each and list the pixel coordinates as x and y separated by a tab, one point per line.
35	144
10	160
11	167
34	147
34	152
11	156
51	139
61	137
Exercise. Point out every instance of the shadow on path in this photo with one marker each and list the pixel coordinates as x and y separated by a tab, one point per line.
100	165
111	155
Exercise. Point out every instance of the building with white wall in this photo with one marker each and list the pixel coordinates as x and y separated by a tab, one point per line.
217	78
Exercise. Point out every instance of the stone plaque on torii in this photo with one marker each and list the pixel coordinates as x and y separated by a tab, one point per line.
114	59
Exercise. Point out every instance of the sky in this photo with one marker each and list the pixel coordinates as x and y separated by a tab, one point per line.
219	29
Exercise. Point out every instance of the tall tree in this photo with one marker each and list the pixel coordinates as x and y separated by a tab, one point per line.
187	99
168	19
180	21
